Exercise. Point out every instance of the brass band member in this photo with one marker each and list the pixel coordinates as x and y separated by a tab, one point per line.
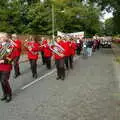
67	53
42	49
72	51
47	54
32	47
17	49
6	57
59	60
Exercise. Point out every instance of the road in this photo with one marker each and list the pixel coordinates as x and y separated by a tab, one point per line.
90	92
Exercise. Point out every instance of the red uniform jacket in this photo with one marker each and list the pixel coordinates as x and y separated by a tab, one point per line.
47	51
67	48
72	48
5	66
17	48
44	42
56	56
33	53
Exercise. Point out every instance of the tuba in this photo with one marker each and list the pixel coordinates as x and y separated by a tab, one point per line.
5	49
56	48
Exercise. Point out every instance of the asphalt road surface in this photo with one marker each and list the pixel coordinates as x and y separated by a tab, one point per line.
90	92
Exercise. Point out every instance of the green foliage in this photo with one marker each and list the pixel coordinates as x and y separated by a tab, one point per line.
35	17
111	5
109	27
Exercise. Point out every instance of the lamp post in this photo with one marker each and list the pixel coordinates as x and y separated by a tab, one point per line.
53	22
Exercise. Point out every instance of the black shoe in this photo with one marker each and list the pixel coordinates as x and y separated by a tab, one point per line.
49	68
8	99
3	98
35	76
57	78
17	75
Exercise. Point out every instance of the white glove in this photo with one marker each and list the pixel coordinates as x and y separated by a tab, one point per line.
8	50
2	61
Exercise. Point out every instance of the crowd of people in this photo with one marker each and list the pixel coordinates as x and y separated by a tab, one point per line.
62	49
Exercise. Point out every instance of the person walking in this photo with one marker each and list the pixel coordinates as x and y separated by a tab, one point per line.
59	59
67	53
72	52
47	54
43	42
32	47
89	47
17	49
6	66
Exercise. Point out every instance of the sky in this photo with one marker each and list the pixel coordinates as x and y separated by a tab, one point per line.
106	16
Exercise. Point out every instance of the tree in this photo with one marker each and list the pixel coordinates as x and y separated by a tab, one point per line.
111	5
35	17
109	27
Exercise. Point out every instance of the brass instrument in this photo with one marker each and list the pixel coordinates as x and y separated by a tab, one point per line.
57	49
29	47
5	50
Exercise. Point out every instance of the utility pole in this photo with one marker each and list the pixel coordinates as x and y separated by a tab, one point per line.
53	22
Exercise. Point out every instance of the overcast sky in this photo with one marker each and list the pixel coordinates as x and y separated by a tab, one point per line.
106	16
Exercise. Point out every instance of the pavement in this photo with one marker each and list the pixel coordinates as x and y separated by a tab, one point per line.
116	50
91	91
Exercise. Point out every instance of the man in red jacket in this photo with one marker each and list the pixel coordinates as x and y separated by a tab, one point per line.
17	49
47	54
32	51
72	52
43	41
67	52
5	68
59	60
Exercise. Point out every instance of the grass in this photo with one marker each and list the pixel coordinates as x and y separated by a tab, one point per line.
117	59
118	44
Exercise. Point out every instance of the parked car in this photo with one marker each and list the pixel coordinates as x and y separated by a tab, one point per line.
106	44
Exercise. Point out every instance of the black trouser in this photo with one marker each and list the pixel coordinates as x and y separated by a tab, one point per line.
16	66
33	64
69	61
43	58
98	46
60	68
78	50
4	79
48	62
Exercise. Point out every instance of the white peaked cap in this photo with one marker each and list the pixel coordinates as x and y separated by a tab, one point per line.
2	34
14	35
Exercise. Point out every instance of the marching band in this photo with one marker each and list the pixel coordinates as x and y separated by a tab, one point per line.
62	50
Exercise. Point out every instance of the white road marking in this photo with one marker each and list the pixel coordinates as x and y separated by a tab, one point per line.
47	74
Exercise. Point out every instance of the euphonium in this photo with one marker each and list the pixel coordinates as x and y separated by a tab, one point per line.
5	49
56	48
